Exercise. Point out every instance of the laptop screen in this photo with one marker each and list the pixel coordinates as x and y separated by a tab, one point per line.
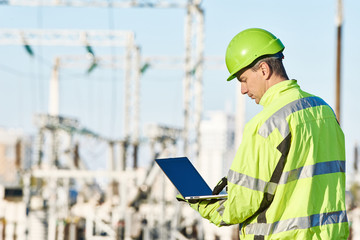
184	176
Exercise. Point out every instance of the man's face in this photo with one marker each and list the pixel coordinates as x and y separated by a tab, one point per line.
253	84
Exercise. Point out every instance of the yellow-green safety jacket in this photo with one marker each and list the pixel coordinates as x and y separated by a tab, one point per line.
287	180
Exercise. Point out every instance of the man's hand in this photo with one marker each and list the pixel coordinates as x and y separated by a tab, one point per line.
220	186
180	198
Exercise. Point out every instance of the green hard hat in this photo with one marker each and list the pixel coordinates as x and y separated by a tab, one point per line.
249	45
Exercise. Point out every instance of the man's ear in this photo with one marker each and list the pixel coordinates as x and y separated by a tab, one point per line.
265	70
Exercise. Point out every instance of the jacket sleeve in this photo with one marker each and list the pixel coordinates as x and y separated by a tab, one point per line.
249	183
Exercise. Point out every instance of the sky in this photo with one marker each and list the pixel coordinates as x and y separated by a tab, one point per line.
307	29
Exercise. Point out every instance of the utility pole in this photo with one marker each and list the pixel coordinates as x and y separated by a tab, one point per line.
356	156
339	22
192	84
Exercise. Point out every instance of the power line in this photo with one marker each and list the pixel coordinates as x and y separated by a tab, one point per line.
13	71
101	3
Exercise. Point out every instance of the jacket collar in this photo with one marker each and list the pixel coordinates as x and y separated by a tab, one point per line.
276	91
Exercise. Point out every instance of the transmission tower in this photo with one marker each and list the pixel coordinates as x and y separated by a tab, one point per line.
194	54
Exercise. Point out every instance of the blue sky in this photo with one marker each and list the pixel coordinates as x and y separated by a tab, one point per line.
307	29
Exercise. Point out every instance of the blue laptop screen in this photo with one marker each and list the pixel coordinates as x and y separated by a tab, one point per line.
184	176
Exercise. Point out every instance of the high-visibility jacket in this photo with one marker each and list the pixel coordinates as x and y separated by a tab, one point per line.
287	180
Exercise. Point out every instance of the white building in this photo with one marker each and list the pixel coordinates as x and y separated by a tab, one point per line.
217	152
217	145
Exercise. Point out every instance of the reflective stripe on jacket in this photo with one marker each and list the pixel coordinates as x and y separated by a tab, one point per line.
287	180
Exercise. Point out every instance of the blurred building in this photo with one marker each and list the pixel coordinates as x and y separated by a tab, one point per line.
217	145
15	157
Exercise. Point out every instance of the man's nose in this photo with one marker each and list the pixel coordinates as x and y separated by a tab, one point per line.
244	89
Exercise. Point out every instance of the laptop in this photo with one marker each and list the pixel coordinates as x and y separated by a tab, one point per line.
187	180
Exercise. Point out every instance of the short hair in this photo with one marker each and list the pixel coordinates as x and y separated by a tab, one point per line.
275	63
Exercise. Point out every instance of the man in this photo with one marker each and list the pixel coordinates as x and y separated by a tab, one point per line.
287	180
